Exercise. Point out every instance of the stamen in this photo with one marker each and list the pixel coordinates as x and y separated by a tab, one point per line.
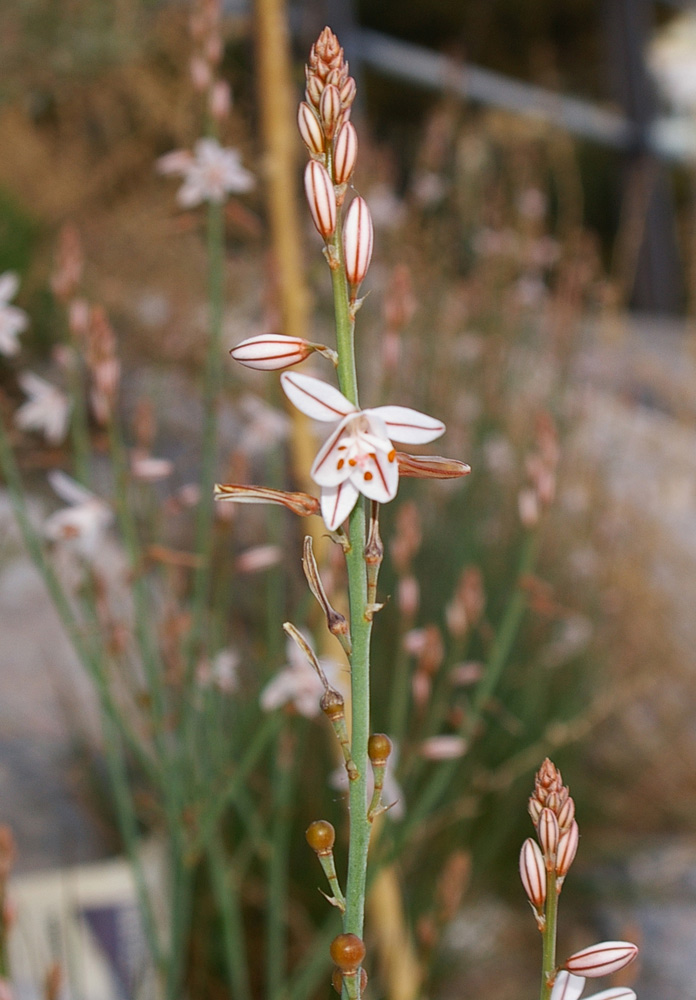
392	455
368	476
352	461
340	463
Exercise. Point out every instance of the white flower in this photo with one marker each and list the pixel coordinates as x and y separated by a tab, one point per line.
47	409
12	320
358	457
298	683
210	173
83	523
569	987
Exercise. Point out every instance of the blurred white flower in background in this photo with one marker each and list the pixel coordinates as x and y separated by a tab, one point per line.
210	173
672	59
298	683
81	525
12	319
46	410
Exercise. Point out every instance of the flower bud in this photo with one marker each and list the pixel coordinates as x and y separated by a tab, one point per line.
220	100
321	198
548	833
357	241
533	873
330	110
566	813
271	351
314	90
348	92
430	466
601	959
567	848
345	153
310	129
567	986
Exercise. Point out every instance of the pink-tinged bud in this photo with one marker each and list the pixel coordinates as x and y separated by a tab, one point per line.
357	241
271	351
321	198
533	873
567	986
345	153
220	100
330	110
601	959
566	814
548	833
567	849
310	129
534	808
348	92
314	90
616	993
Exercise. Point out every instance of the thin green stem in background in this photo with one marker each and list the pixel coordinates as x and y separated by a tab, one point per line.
233	934
282	792
499	655
211	398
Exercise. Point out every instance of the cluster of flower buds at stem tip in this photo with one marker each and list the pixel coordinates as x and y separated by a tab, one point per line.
553	813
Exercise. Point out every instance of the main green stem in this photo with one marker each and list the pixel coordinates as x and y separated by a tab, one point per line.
360	626
548	963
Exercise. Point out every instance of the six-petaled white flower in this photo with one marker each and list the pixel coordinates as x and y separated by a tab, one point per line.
210	173
47	409
12	320
358	457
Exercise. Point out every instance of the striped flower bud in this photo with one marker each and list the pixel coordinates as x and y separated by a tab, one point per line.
357	241
345	153
348	92
321	198
567	986
548	833
533	873
272	351
314	90
566	813
601	959
567	848
330	110
310	129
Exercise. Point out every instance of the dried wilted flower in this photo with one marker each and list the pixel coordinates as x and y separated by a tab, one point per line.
299	503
